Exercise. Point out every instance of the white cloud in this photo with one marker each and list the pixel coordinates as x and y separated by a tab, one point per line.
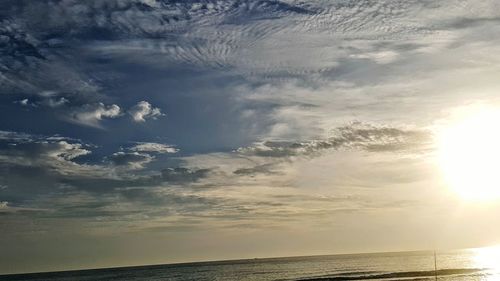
151	3
144	110
4	205
51	102
67	151
153	147
46	100
48	94
383	57
24	102
90	115
39	152
27	146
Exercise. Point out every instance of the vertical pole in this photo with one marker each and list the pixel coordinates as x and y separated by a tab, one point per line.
435	267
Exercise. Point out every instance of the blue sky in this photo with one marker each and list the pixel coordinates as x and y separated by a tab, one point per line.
150	131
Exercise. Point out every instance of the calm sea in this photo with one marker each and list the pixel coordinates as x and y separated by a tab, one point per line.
473	264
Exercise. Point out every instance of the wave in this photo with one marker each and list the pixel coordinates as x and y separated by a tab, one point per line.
391	275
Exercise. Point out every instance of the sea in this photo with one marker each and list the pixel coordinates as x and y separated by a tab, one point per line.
469	264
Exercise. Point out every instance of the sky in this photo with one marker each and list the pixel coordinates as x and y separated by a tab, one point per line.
156	131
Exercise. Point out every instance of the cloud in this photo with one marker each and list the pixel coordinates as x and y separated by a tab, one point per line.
50	99
383	57
180	175
144	110
268	169
50	102
92	114
36	165
37	150
40	149
136	156
18	49
51	163
6	209
354	136
29	65
132	160
374	51
153	147
156	199
24	102
64	150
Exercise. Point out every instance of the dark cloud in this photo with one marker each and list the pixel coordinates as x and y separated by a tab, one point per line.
180	175
155	32
23	146
32	166
31	65
134	160
91	19
472	22
17	49
268	169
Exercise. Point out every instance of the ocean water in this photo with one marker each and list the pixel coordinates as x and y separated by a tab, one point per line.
471	264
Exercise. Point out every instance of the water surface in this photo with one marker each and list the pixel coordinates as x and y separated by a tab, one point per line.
471	264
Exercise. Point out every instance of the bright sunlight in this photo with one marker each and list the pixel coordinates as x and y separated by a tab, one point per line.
486	257
469	155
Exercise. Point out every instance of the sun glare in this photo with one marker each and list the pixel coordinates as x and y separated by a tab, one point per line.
487	258
469	155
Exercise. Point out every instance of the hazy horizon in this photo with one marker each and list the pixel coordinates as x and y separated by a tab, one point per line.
159	131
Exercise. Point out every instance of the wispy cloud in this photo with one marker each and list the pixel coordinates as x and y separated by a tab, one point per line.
354	136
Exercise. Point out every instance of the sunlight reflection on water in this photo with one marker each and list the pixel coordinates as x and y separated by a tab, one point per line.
489	259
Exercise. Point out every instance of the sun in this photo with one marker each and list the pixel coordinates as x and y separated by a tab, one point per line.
469	155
